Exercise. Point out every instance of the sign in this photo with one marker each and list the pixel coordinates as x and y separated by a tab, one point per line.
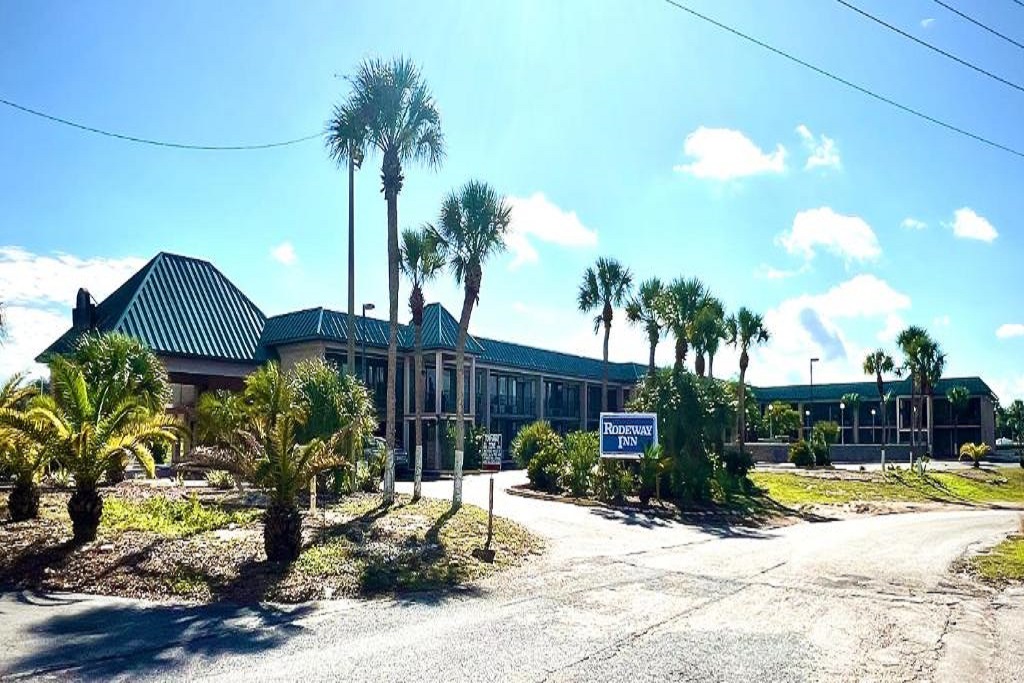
491	452
627	435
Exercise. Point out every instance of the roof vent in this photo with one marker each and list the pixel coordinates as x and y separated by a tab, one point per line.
83	316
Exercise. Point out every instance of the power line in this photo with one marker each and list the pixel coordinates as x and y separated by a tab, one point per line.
974	21
928	45
849	84
155	143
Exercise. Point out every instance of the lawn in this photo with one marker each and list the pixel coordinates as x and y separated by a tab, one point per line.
837	487
1003	563
170	544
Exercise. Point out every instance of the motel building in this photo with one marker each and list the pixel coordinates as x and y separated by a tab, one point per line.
210	336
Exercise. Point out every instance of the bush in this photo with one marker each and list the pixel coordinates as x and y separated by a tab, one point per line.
801	454
473	457
825	432
652	466
737	464
613	481
220	479
822	454
974	452
547	463
581	457
527	443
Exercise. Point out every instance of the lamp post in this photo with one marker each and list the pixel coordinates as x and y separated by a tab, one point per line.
807	414
842	423
366	307
813	361
874	435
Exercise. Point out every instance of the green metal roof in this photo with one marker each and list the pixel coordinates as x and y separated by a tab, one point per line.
179	306
798	393
543	361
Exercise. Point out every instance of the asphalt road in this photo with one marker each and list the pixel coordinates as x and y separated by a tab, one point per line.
618	597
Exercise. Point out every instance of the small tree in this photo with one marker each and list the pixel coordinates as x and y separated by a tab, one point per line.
528	441
974	452
782	418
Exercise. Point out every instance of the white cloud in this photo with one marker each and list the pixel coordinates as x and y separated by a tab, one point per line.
537	218
910	223
969	225
284	254
766	272
822	150
1008	389
1010	330
724	154
39	292
941	321
894	324
849	237
927	23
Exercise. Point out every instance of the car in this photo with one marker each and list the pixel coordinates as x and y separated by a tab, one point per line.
1003	442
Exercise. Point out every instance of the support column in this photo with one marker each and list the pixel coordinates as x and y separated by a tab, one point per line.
487	399
856	425
438	381
931	425
803	419
472	387
583	406
622	399
540	397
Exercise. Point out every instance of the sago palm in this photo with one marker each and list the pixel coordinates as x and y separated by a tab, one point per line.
346	140
421	262
21	452
471	229
879	363
746	329
402	122
605	285
642	312
678	308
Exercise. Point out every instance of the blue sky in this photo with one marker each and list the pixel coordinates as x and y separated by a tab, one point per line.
626	129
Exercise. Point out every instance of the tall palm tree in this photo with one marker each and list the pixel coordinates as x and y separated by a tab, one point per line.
678	308
605	285
910	341
879	363
346	140
471	229
746	329
421	262
641	311
958	398
403	123
933	364
707	331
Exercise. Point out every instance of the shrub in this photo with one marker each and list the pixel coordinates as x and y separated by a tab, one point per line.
527	443
472	458
220	479
822	454
825	432
653	464
581	457
613	481
801	454
737	464
546	464
974	452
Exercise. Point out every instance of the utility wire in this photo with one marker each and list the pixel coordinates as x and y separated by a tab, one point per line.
155	143
849	84
974	21
928	45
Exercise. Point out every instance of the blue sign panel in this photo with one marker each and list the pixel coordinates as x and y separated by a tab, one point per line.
627	435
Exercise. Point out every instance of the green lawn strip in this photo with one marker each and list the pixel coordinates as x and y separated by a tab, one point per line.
1005	562
969	487
171	518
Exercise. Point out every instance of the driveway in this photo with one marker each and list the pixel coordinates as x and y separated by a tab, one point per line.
617	597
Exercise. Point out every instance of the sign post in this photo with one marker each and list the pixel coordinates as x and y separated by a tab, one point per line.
491	453
627	435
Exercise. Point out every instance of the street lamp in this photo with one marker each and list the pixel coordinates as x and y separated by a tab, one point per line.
807	414
366	307
842	423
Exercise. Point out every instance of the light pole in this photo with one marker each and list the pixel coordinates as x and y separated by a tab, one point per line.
874	436
842	423
813	361
366	307
807	414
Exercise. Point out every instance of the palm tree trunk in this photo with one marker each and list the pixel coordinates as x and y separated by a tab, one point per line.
711	365
351	332
680	352
698	364
741	417
650	364
460	425
417	487
604	369
85	509
393	255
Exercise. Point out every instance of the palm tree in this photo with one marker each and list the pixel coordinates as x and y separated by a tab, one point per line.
345	138
421	262
20	454
605	285
958	398
642	311
879	363
933	364
678	308
707	331
471	229
910	341
745	329
86	430
403	123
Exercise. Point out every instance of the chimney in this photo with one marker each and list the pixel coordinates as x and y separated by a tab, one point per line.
83	316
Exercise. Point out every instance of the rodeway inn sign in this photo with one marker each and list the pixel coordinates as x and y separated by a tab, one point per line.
627	435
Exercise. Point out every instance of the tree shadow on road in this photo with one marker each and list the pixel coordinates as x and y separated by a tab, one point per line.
114	639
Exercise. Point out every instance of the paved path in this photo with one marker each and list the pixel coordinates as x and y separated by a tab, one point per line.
618	597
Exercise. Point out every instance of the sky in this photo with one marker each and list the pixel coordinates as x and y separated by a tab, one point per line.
626	129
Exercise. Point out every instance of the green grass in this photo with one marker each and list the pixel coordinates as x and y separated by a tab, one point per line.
972	487
171	518
1005	562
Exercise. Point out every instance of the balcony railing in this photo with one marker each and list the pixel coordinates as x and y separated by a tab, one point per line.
507	405
561	409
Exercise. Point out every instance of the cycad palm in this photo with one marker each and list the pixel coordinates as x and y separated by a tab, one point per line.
471	229
605	285
642	312
880	363
403	123
20	454
421	262
745	330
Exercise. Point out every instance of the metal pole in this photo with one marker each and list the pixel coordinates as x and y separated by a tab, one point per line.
490	514
366	380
